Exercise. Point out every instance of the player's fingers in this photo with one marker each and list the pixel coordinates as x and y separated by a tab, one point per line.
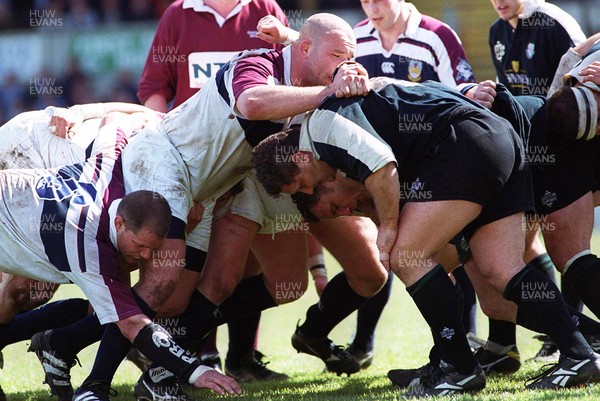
214	387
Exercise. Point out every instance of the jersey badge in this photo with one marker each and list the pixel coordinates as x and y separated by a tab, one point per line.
414	70
515	65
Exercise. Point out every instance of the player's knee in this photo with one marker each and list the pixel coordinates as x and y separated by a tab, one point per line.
368	285
493	310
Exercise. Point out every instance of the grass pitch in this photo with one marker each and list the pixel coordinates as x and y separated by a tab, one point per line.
403	340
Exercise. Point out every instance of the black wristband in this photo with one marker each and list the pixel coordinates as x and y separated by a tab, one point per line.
319	266
158	345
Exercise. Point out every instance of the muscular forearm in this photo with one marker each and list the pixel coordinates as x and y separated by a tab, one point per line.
156	102
384	187
275	102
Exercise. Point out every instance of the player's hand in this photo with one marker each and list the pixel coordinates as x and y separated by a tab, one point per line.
591	73
194	217
218	382
386	237
271	30
64	122
484	93
350	79
320	283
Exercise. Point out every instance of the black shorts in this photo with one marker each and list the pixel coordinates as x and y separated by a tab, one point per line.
563	171
481	160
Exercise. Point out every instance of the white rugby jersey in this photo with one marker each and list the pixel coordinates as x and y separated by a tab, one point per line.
55	226
214	141
26	142
428	50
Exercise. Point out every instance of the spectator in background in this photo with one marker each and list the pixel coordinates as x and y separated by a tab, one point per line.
193	40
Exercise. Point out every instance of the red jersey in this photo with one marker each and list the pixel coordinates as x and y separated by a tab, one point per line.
192	42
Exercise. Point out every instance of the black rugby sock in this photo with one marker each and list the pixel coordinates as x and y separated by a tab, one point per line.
337	302
368	316
542	309
583	275
242	337
46	317
68	341
437	300
113	348
502	332
469	300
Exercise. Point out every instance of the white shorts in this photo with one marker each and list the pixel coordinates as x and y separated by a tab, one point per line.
274	215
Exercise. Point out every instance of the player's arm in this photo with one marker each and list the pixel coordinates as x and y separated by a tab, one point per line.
157	101
483	93
384	187
316	264
272	102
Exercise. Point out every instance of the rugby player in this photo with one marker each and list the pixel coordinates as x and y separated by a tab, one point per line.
189	47
98	231
450	156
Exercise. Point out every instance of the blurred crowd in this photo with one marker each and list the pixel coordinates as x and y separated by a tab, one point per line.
76	87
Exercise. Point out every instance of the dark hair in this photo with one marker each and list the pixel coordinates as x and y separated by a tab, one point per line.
304	202
272	160
146	209
563	113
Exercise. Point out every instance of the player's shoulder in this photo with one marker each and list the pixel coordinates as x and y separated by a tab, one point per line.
364	29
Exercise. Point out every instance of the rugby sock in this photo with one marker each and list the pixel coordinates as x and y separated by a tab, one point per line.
158	345
584	323
113	348
68	341
570	296
502	332
46	317
583	275
469	308
544	264
337	302
209	343
242	337
437	301
368	316
542	309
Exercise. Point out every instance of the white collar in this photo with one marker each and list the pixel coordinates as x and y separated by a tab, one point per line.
414	20
287	65
199	6
112	213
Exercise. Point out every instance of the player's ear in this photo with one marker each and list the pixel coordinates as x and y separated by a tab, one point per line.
303	157
119	222
305	46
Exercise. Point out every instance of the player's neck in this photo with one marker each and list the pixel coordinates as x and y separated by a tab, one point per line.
389	37
222	7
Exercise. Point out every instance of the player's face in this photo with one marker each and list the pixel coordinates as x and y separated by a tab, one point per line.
136	246
507	9
325	55
337	199
311	175
383	14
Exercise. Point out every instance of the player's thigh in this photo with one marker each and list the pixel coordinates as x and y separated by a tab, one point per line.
498	248
352	242
491	301
283	259
569	230
424	229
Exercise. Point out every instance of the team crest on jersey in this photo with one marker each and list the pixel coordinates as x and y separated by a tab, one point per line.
414	70
387	67
530	51
54	188
515	65
499	51
463	70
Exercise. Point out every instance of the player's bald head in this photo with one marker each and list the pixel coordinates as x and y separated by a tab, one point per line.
318	26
